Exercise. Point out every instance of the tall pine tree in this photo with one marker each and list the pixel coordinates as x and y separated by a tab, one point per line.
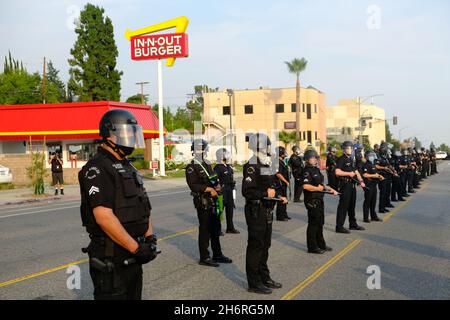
93	74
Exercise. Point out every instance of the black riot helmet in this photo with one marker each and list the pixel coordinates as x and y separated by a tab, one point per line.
332	149
281	151
310	153
296	150
347	144
122	127
199	146
259	142
383	148
222	154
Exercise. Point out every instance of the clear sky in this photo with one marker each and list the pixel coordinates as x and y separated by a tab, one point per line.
355	48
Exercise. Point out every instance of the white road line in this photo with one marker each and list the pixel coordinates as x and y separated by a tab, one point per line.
71	207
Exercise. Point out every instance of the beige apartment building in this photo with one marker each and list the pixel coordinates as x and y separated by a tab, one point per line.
265	109
343	122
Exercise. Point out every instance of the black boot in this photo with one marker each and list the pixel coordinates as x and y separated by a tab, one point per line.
62	192
261	289
56	192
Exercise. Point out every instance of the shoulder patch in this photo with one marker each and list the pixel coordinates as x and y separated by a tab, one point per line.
189	170
248	179
91	173
251	170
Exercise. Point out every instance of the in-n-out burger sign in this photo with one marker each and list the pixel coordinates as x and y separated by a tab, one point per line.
159	46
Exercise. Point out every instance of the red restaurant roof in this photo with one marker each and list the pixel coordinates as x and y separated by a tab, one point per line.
74	120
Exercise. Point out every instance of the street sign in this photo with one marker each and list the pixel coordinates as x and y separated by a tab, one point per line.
154	165
159	46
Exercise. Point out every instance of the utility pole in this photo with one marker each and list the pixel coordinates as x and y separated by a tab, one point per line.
43	79
142	90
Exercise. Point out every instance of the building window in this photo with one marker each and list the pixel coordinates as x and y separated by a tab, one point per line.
308	111
226	111
81	152
309	137
279	108
315	108
293	107
248	109
304	135
315	135
303	107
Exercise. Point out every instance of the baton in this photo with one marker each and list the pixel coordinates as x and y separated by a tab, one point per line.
131	261
273	199
359	184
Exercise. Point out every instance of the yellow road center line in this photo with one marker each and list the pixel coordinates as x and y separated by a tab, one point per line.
65	266
302	285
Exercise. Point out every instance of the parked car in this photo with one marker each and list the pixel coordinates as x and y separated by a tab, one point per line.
5	175
440	155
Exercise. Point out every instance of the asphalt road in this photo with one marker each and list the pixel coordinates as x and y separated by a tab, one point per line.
411	249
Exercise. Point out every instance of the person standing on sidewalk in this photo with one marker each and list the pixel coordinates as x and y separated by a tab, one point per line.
57	172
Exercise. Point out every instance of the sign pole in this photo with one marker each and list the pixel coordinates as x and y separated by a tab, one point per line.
162	165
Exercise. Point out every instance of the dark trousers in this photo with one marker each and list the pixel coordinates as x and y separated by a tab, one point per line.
228	203
387	197
281	207
433	167
397	191
332	179
347	202
122	283
382	186
259	225
404	181
316	220
209	229
370	202
298	189
411	174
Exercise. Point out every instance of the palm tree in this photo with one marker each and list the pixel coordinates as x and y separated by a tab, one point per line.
297	66
287	137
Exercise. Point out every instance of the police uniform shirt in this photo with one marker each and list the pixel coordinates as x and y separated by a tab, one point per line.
331	161
296	164
369	168
225	173
108	182
383	162
312	176
98	181
257	179
346	164
196	178
404	160
283	170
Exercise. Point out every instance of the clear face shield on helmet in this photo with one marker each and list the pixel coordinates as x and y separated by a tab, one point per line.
128	135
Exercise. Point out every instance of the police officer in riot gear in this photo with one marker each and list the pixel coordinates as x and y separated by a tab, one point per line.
348	176
433	160
115	210
258	188
283	176
314	187
297	166
371	176
384	185
225	174
331	167
397	191
359	157
205	189
404	163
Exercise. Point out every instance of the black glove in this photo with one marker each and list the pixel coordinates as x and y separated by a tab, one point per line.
151	239
145	253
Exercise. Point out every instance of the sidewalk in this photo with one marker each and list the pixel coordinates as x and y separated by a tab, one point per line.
72	192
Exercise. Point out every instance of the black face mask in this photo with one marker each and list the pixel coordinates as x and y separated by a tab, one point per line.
123	151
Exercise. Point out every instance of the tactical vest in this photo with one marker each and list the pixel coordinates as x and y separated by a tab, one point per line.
131	204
